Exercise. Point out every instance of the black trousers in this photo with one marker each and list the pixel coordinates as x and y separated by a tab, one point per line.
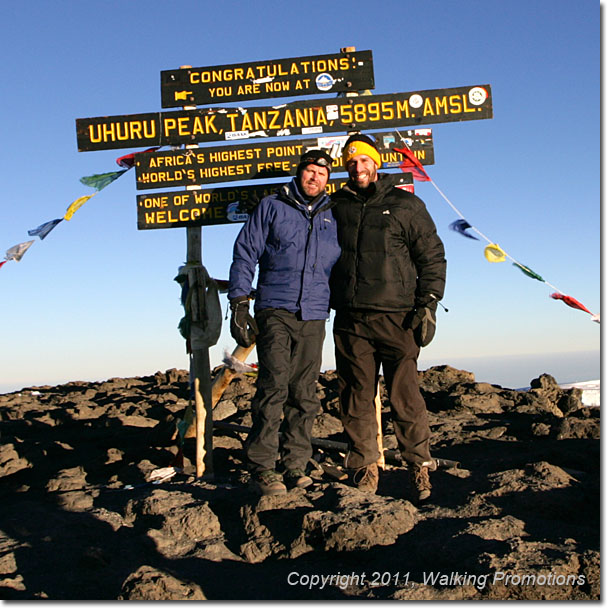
363	342
289	359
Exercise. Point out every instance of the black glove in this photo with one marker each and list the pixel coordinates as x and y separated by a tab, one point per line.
243	326
423	324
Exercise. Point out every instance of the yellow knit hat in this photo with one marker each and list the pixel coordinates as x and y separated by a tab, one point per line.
359	144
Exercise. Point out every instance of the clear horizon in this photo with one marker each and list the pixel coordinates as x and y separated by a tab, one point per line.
511	372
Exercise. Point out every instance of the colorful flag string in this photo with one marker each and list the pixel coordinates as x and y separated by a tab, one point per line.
96	181
493	252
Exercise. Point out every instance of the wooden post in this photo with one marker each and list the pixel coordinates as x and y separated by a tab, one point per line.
381	458
200	358
200	367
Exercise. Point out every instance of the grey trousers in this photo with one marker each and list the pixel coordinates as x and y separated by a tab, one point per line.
289	359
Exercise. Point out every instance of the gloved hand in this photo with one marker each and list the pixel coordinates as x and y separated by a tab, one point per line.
243	326
423	324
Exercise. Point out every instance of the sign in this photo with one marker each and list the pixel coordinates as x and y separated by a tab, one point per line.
195	166
215	206
268	79
306	118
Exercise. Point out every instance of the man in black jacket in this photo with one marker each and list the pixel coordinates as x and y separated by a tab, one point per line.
384	288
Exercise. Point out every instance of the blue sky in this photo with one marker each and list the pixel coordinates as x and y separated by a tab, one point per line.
96	299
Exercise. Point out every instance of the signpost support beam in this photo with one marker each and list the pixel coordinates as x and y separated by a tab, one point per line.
200	366
200	359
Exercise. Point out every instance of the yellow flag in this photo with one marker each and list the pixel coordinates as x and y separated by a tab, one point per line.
495	254
75	205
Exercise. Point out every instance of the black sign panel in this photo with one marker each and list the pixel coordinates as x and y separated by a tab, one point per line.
215	206
306	118
267	79
196	166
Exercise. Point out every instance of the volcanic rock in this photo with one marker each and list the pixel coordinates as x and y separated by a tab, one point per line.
82	516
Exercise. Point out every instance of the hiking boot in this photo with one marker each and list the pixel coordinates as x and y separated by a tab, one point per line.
419	480
296	477
268	483
367	478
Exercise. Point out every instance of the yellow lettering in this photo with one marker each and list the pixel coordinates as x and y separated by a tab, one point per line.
441	104
92	137
209	123
294	68
183	126
301	117
347	114
168	125
181	199
466	107
288	120
455	103
260	120
201	197
275	115
109	133
387	111
246	123
320	117
122	135
154	202
402	107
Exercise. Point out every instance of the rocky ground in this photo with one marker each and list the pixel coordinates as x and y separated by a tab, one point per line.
81	520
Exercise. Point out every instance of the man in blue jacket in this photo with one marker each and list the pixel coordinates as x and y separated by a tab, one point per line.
292	237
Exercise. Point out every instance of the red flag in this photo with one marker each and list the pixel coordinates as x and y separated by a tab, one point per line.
2	263
571	301
128	161
412	164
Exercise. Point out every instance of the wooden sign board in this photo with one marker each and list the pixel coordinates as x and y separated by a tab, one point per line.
305	118
264	160
215	206
291	77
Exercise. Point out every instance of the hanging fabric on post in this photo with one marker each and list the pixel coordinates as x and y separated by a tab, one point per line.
202	322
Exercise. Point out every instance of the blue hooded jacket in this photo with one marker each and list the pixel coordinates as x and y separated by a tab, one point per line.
295	248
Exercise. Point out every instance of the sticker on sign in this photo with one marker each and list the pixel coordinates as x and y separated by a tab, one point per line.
236	135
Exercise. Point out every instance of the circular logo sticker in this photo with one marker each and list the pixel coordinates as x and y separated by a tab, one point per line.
416	100
324	81
477	95
233	215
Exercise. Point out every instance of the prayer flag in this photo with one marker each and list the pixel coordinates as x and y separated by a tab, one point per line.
495	254
461	227
2	263
528	272
16	252
128	161
412	164
570	301
100	181
75	205
44	229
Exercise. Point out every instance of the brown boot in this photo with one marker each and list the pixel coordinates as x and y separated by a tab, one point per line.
419	480
367	478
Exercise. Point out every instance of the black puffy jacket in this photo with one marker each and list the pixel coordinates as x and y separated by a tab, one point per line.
391	256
